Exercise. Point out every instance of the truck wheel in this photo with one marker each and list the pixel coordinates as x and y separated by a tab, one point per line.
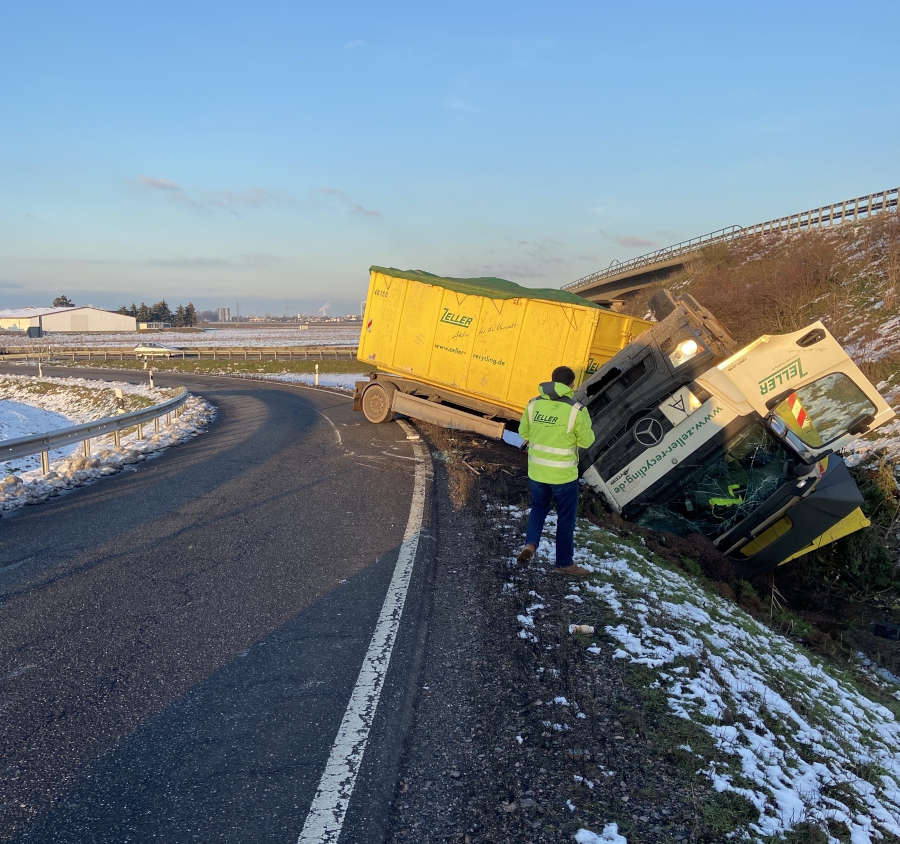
376	403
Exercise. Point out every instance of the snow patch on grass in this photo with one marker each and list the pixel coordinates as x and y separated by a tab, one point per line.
792	735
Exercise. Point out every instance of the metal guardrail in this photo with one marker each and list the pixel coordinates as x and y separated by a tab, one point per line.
43	443
837	212
46	353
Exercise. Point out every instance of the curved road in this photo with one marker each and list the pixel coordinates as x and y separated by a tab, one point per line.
179	643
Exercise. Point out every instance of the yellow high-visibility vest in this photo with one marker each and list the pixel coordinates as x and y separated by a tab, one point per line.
555	426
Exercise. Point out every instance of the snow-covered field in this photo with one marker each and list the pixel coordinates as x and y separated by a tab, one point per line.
319	335
788	733
34	405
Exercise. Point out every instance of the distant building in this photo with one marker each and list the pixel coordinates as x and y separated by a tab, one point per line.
153	326
224	314
78	319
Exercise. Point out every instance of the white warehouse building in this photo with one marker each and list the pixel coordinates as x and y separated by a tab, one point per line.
85	318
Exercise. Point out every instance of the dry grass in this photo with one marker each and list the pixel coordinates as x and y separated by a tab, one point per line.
847	276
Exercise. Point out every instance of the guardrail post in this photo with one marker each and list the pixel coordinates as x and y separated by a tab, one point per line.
140	430
117	438
45	462
156	424
86	446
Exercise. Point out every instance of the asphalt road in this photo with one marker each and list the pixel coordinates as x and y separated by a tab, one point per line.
179	643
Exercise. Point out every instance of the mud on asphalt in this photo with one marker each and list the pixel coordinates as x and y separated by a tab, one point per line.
491	757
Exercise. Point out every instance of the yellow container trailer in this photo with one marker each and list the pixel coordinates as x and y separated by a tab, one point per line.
470	352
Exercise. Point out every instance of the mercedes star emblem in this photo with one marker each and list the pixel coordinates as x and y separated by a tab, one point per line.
648	431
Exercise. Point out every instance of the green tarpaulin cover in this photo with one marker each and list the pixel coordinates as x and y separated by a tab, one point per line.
492	288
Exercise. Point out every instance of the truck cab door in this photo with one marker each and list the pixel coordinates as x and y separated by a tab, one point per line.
807	388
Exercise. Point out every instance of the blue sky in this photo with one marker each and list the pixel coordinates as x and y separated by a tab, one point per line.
267	154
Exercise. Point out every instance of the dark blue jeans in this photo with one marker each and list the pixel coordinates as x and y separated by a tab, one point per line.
566	498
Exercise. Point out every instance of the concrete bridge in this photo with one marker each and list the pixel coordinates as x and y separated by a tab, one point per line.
620	279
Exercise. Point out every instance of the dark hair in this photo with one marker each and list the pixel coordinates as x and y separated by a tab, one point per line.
563	375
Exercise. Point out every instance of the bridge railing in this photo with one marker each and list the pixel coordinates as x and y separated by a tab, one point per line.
838	212
663	254
84	433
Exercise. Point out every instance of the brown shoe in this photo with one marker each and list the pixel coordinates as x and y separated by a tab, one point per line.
571	571
526	554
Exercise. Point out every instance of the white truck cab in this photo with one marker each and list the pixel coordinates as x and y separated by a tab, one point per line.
694	437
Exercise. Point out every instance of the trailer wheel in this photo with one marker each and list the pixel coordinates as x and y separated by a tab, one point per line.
376	403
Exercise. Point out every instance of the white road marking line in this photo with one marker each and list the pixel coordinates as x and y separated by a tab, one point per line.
334	427
329	807
394	456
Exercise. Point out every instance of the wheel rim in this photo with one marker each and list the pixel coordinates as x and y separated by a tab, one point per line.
375	403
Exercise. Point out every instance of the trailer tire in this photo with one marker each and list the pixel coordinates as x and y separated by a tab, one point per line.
376	402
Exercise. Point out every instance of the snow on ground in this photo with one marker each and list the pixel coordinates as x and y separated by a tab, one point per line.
33	405
875	347
792	735
610	835
319	335
882	442
21	420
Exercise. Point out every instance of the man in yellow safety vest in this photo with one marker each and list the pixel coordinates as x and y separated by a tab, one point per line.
554	426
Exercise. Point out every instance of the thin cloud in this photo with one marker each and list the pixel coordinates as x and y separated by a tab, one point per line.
543	252
254	260
242	262
355	44
160	184
235	201
210	201
631	241
346	202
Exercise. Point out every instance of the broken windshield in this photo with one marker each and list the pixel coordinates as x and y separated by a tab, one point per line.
729	486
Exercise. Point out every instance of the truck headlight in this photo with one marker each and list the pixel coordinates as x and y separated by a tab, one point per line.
683	352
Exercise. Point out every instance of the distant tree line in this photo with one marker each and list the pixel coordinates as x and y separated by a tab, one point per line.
184	315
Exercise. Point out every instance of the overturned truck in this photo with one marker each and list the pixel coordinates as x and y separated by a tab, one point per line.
693	435
696	436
